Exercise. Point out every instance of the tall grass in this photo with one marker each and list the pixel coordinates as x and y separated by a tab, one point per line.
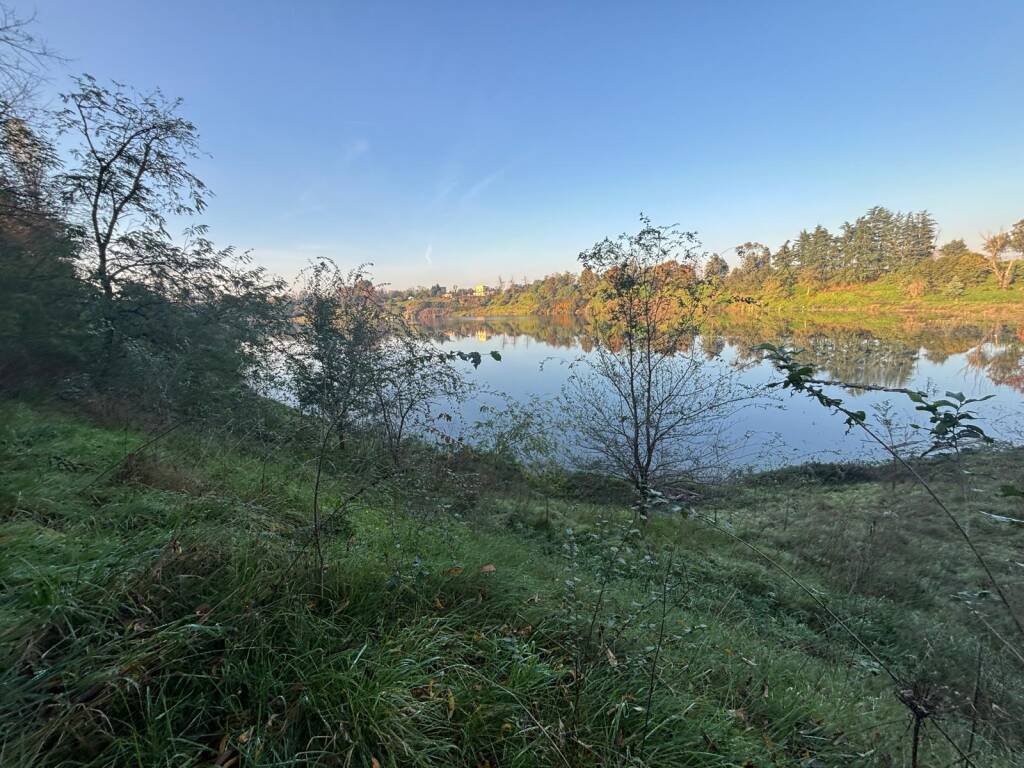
171	614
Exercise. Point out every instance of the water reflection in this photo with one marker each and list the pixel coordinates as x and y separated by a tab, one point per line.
886	353
558	332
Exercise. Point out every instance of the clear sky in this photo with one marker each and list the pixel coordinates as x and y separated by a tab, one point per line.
456	142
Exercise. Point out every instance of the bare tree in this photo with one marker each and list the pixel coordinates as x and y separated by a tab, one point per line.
23	60
1001	245
411	378
679	437
131	174
646	404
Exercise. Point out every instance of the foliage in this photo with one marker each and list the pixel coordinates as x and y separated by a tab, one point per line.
354	363
645	405
340	330
1004	249
164	601
519	432
161	617
716	267
42	303
131	171
96	291
883	257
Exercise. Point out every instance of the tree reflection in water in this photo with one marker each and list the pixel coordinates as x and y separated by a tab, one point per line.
883	351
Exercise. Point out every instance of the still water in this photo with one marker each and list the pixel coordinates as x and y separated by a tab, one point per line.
977	359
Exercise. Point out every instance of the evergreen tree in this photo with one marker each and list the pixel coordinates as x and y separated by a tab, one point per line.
953	249
716	268
818	256
784	268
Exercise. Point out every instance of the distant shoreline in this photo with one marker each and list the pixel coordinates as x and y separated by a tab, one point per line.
965	310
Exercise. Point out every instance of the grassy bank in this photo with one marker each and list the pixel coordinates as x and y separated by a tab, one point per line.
887	296
167	609
884	298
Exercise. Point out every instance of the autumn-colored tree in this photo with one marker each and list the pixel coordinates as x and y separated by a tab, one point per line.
644	405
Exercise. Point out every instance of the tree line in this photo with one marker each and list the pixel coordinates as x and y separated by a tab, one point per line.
102	302
879	247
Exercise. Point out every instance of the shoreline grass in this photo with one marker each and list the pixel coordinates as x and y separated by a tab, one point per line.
168	615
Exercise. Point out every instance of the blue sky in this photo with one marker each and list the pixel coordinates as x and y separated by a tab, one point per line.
456	142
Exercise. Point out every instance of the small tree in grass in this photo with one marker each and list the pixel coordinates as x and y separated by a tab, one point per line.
646	405
355	364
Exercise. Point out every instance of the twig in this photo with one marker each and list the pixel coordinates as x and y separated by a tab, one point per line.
657	654
974	704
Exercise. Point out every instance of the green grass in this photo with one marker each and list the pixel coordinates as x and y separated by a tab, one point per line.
890	296
171	613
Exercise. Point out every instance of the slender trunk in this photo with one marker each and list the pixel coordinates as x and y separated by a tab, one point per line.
317	532
916	736
974	708
110	342
654	661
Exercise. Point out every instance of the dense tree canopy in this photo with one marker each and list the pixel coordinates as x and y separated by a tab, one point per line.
879	246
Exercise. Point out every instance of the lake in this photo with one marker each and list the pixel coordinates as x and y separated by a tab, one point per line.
977	359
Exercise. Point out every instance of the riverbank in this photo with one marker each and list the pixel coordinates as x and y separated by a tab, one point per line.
882	298
164	605
972	303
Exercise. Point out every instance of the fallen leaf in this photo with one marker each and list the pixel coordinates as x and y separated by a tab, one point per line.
243	738
487	568
438	604
374	762
451	703
455	570
611	657
423	691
